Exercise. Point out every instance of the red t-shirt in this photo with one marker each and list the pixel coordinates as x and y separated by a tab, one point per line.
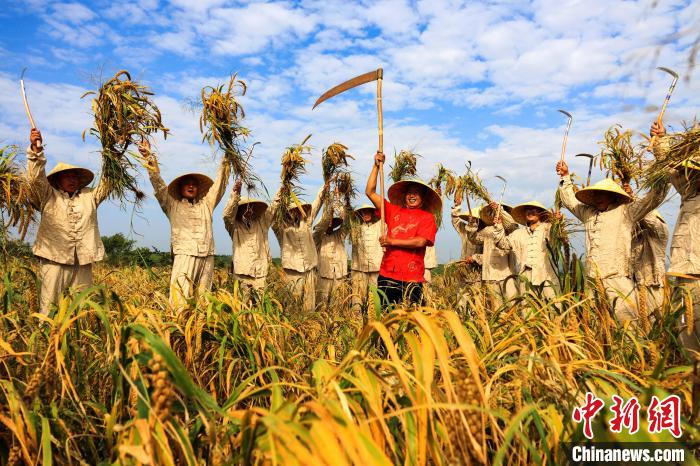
405	264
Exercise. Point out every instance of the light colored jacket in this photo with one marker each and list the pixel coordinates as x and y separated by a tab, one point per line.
496	264
685	244
191	222
530	248
297	246
430	258
609	233
332	256
68	229
649	250
468	248
251	246
366	251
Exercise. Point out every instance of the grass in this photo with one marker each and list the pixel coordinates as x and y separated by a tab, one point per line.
115	376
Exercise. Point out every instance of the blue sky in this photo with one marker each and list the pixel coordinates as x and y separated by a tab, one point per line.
477	81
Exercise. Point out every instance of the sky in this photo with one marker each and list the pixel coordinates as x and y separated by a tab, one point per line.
463	81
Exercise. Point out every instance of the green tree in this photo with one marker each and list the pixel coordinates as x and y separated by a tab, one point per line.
118	249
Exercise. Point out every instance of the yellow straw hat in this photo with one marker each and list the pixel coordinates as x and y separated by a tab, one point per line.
304	205
431	202
518	212
467	214
365	207
606	185
85	175
486	215
205	183
257	205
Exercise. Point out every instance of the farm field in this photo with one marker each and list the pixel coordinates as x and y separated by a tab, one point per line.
116	377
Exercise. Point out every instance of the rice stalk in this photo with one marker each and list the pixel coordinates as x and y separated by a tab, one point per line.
124	115
404	165
623	160
220	122
16	206
683	148
293	166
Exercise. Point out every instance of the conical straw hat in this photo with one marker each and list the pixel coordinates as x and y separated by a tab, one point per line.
606	185
518	212
365	207
486	215
205	183
431	202
467	214
85	175
248	202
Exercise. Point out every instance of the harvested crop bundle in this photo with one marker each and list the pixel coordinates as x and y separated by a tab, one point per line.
16	210
124	114
620	157
443	177
683	153
293	166
404	166
220	123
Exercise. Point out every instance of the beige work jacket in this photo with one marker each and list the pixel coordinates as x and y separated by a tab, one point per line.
251	246
191	222
296	242
366	251
649	241
530	248
430	258
332	255
468	248
496	264
609	233
685	244
68	228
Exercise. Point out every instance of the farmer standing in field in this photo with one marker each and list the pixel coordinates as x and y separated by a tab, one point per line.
297	248
248	222
530	245
366	253
188	202
609	215
649	241
496	264
68	239
410	223
329	238
685	245
460	221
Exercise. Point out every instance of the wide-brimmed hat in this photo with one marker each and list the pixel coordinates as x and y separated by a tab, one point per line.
518	212
203	181
85	175
606	185
258	206
304	205
486	214
336	223
431	199
467	214
373	210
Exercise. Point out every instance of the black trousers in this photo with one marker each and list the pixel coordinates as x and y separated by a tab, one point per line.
395	291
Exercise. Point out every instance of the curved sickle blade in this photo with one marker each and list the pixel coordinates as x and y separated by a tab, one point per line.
668	70
349	84
568	115
24	99
590	156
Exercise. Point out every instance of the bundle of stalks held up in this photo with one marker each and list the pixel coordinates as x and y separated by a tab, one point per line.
342	189
404	165
293	166
124	115
221	124
444	177
683	148
16	210
620	157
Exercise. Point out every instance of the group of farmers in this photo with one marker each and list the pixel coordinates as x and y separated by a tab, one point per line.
625	237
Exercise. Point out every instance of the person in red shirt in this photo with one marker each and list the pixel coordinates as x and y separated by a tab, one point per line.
410	228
